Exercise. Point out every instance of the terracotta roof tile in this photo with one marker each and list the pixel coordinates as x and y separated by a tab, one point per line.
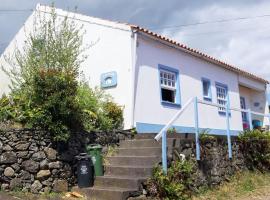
202	55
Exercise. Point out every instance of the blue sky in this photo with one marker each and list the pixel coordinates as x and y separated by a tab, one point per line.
243	43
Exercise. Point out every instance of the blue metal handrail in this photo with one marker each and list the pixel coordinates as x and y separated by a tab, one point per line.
163	133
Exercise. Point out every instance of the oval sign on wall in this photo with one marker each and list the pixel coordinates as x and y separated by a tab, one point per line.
108	79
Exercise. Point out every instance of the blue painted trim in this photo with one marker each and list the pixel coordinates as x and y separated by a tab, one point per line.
228	128
222	85
177	103
196	119
164	67
207	98
250	120
164	152
169	104
104	76
155	128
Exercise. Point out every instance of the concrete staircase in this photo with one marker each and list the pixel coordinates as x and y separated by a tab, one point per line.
127	169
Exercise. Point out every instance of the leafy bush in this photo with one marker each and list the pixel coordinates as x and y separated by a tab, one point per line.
205	137
174	185
255	146
171	130
46	92
98	109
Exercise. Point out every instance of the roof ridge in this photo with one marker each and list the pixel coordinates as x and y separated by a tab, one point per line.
201	54
174	42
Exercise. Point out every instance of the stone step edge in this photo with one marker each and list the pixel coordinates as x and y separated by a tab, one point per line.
123	156
122	177
131	166
112	189
136	148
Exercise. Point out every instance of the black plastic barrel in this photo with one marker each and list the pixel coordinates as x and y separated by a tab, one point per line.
85	171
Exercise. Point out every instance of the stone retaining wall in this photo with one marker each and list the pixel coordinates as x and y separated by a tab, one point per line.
30	160
215	165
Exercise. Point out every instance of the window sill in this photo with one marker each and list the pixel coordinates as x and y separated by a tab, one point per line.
222	113
170	104
207	99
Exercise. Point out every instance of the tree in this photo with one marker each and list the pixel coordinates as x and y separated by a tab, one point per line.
45	75
46	92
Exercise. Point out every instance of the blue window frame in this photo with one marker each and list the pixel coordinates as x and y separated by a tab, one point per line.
206	89
169	86
222	97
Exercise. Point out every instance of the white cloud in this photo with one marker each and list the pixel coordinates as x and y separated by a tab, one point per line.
244	43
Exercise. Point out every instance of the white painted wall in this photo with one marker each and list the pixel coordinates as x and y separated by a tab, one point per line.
252	96
114	50
111	52
148	106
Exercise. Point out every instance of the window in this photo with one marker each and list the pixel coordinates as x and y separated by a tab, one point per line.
169	86
206	84
243	106
221	97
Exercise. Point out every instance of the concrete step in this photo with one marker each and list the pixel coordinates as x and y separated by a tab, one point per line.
119	181
134	160
143	151
139	143
169	135
107	193
139	136
130	171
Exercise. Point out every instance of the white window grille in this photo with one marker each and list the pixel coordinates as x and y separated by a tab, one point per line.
168	86
221	98
167	80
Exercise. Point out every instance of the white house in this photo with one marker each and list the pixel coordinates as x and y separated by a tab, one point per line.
153	77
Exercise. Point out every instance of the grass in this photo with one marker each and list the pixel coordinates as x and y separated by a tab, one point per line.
243	186
19	195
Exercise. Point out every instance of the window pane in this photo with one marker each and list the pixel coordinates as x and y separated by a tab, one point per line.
168	95
206	89
165	75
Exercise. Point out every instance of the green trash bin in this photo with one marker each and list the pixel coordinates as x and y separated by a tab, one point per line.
95	152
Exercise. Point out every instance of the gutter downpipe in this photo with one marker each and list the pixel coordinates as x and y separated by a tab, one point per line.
133	76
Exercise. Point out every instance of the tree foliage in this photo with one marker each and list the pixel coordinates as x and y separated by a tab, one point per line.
46	92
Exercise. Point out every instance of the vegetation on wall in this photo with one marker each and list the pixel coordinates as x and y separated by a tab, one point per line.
46	91
174	185
182	177
255	146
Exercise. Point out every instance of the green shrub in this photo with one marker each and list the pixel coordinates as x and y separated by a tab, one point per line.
171	130
46	92
204	136
98	109
174	185
255	145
